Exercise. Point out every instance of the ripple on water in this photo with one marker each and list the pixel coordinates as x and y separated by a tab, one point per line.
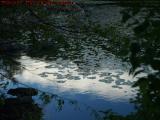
106	80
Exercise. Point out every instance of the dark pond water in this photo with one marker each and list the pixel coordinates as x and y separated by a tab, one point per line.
78	78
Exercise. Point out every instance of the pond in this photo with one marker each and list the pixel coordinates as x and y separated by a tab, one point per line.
77	78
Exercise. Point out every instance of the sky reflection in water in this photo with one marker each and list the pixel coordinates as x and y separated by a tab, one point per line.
107	87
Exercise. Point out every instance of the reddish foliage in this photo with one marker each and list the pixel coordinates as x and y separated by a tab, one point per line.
35	2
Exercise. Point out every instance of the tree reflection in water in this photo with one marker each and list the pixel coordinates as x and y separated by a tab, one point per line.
144	52
20	108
